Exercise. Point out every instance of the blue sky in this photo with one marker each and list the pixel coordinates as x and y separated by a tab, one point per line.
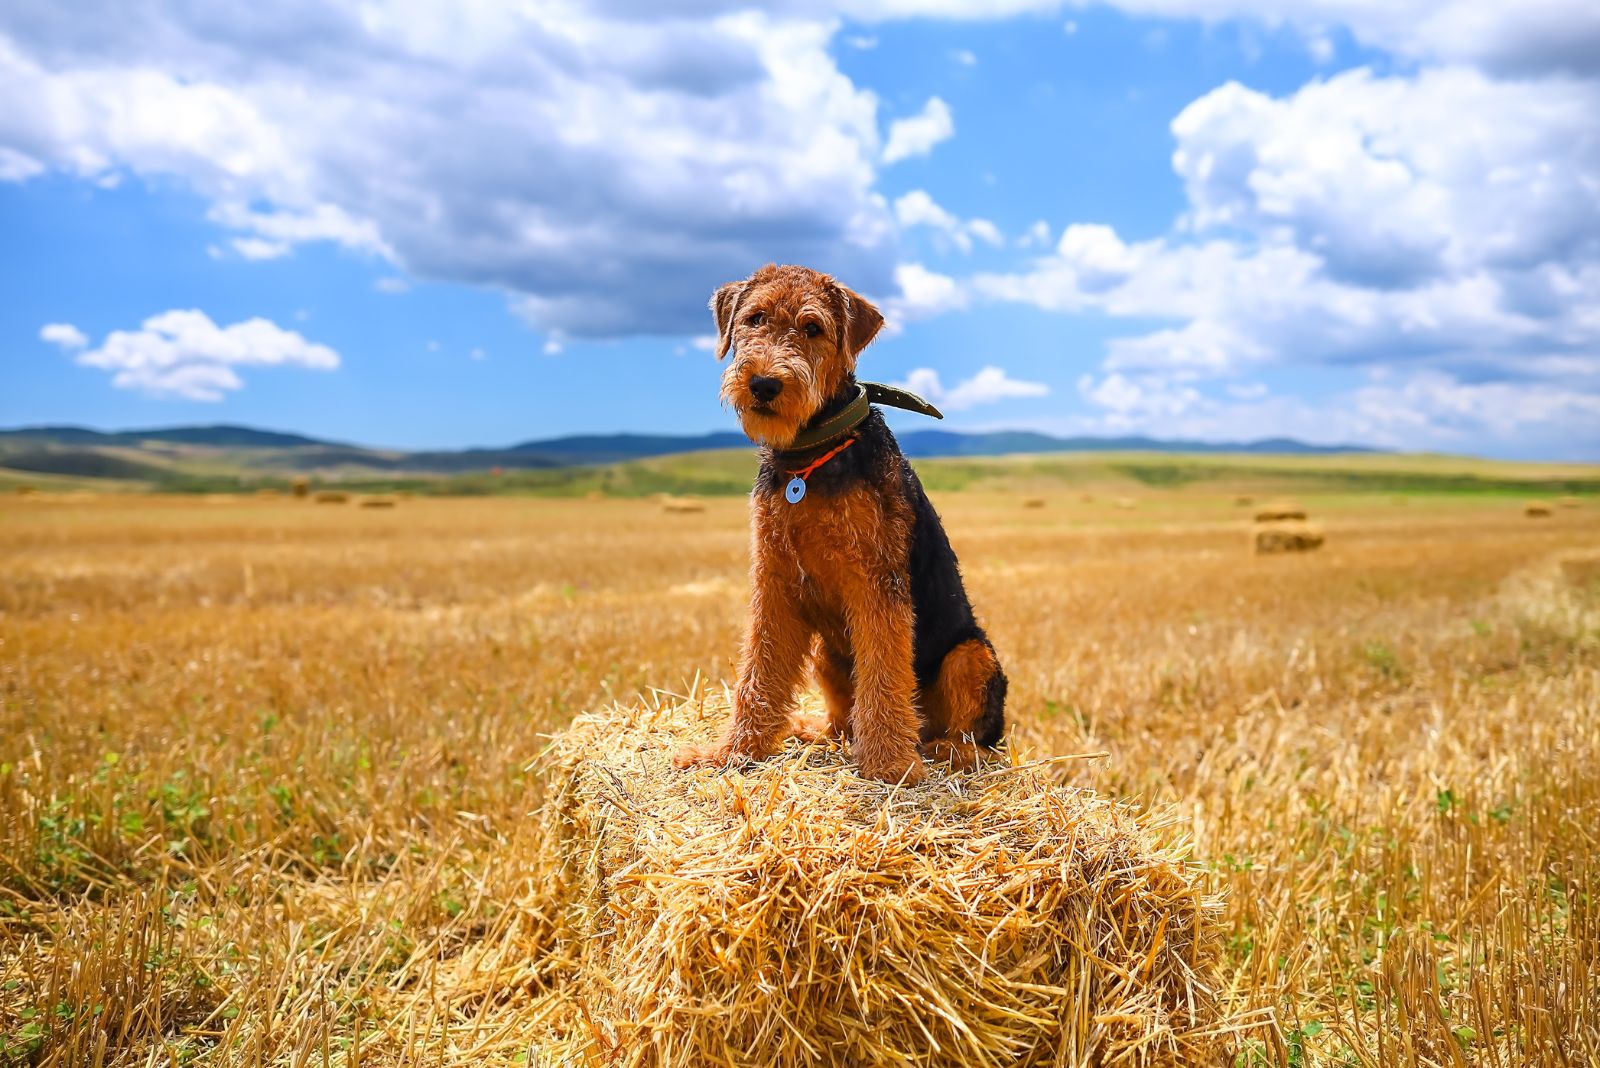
432	226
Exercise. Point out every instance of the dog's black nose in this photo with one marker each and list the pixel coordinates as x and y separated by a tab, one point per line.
765	389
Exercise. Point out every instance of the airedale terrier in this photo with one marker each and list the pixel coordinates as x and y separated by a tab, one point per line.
850	566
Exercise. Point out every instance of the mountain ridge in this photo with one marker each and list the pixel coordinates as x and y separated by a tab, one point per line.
303	452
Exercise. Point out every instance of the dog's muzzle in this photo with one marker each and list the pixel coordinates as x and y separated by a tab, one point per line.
764	389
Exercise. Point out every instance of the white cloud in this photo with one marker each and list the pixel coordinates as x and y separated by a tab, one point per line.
1359	223
552	347
477	354
392	284
917	208
965	57
986	387
185	354
916	136
922	294
1385	181
1422	410
64	335
1036	236
605	166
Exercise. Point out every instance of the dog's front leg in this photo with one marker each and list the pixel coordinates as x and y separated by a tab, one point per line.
884	720
770	665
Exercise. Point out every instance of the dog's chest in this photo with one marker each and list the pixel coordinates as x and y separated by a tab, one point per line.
835	542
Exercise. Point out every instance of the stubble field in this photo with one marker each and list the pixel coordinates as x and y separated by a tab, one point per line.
263	796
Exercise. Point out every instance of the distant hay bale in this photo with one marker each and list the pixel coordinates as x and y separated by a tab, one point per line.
26	491
682	505
331	497
1086	498
1538	510
1243	501
1126	503
268	492
1280	512
377	502
1289	536
1569	502
797	909
300	486
1033	502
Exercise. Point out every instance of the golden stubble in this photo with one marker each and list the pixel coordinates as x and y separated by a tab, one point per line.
264	798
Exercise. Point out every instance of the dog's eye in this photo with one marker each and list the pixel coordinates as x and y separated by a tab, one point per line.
813	330
757	319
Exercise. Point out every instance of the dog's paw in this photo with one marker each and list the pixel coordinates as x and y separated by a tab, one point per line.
961	756
711	755
811	729
906	772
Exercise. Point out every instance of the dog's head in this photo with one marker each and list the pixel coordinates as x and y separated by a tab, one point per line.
795	335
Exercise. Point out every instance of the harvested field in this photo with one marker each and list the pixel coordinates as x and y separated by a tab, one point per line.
268	772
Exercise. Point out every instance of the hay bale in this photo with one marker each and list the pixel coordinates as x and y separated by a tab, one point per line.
682	505
1290	536
1280	512
1033	502
300	486
27	491
1538	510
331	497
377	502
1243	501
1569	502
1126	503
797	909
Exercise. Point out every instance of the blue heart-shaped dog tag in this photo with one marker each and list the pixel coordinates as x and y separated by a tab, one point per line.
795	490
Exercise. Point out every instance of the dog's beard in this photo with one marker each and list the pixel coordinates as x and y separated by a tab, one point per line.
777	423
770	425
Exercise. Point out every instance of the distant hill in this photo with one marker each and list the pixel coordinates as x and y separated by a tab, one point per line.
919	443
222	436
234	459
168	454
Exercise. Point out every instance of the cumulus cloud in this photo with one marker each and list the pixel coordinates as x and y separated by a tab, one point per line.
64	335
1383	179
917	208
1358	223
606	166
986	387
922	294
919	133
185	354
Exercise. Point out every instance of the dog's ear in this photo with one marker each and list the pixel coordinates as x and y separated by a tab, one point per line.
725	307
859	322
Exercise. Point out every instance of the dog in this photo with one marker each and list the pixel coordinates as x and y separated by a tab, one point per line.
850	566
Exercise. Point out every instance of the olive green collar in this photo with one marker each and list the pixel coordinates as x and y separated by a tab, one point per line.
846	419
